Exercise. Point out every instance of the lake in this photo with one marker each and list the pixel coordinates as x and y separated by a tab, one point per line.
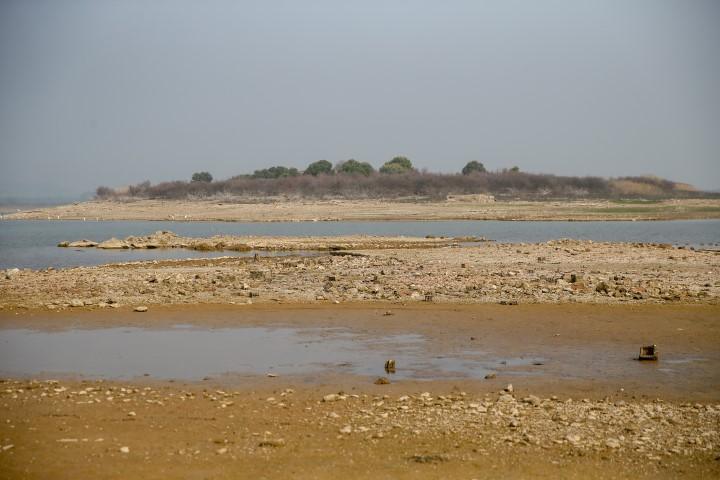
33	244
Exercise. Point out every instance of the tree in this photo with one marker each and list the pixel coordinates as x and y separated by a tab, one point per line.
319	167
202	177
276	172
104	192
515	169
353	167
472	167
397	165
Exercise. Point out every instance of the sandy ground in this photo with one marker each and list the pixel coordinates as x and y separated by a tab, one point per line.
615	424
333	210
564	271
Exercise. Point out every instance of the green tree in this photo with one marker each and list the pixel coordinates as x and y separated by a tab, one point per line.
319	167
472	167
397	165
202	177
276	172
515	169
353	167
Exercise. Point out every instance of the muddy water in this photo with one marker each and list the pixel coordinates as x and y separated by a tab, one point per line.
190	353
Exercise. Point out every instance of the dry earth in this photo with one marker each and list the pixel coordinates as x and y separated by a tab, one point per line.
560	271
93	429
332	210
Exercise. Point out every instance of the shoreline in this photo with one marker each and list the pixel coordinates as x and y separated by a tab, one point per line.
376	210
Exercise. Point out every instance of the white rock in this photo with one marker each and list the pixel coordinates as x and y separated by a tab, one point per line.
141	308
124	449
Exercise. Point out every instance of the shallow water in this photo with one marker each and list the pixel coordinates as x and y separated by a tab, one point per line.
188	353
32	244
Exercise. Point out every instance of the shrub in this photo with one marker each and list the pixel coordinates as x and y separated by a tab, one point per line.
202	177
397	165
353	167
104	192
319	167
276	172
472	167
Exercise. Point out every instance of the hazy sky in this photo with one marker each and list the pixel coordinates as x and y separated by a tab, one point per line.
115	92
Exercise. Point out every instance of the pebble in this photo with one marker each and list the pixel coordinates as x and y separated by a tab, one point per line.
124	449
141	308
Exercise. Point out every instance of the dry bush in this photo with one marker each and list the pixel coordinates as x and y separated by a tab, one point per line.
508	184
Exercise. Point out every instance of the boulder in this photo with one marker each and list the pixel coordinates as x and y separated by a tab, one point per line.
11	272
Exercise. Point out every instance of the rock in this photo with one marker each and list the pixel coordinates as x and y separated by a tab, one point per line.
11	272
573	438
82	244
333	397
141	308
602	287
382	381
221	451
63	244
75	302
272	442
346	430
113	243
124	449
612	443
490	376
532	400
509	388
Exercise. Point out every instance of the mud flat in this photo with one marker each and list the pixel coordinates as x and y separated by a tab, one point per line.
564	418
559	271
336	210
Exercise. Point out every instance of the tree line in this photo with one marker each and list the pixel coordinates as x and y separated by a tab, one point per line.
399	178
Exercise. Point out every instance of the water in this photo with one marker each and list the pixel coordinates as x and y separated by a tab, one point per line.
185	352
32	244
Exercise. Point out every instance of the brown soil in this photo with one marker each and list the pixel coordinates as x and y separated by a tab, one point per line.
618	424
330	210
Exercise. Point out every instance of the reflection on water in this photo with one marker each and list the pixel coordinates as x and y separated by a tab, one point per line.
184	352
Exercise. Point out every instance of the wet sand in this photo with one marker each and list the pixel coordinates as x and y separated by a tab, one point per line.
625	419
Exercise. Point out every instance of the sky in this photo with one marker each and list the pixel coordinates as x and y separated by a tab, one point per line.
101	92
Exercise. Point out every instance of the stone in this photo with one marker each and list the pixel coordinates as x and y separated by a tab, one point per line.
141	308
333	397
221	451
573	438
490	376
124	449
346	430
509	388
84	243
75	302
612	443
382	381
113	243
11	272
272	442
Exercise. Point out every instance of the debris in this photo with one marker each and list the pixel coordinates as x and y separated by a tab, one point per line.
649	352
